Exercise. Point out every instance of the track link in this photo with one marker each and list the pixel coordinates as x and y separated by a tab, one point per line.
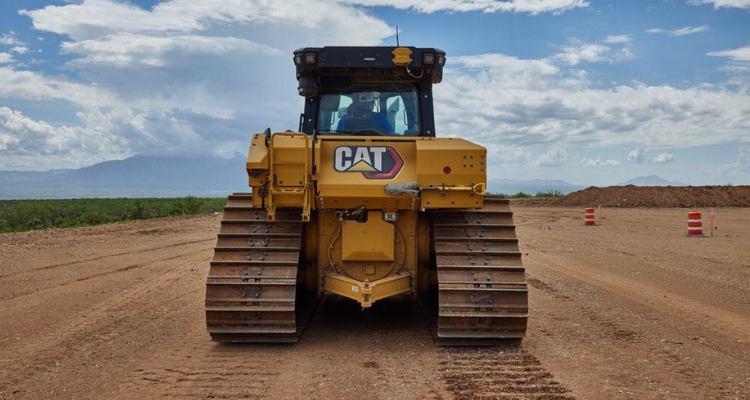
482	292
251	289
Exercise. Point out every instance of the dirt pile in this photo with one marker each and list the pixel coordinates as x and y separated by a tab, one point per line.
652	196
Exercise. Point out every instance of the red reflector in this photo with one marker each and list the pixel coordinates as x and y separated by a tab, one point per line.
447	170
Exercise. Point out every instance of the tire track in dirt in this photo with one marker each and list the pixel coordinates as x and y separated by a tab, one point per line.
98	323
597	326
507	372
720	321
221	371
126	268
663	259
103	257
631	346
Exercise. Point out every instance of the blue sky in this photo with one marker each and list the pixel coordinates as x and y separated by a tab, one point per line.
589	91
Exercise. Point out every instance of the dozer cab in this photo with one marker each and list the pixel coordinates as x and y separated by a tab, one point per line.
365	202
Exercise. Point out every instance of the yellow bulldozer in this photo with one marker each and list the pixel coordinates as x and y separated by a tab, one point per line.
365	202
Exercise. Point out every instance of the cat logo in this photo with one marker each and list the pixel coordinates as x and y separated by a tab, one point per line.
374	162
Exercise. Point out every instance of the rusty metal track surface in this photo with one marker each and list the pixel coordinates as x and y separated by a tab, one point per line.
482	292
251	289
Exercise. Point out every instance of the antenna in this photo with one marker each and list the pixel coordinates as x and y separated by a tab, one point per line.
397	45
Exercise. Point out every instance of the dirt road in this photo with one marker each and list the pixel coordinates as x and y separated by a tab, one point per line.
629	309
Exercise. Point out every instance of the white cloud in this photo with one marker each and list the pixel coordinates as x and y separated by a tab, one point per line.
723	3
9	39
737	64
193	69
573	55
506	62
501	154
184	77
532	7
624	54
510	70
636	156
663	158
688	30
554	157
317	21
618	39
102	136
129	50
590	162
164	50
16	46
577	52
739	169
23	140
196	57
197	75
31	85
95	18
545	105
740	54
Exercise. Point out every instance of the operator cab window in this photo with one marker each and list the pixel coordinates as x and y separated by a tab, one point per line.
389	110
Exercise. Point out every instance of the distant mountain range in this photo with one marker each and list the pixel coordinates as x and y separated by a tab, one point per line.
651	180
138	176
532	187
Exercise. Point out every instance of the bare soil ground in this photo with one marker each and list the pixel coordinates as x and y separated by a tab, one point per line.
629	309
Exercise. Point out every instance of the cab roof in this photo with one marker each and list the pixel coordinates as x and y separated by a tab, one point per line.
424	63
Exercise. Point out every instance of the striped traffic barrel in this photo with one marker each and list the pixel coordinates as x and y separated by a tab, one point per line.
589	218
695	224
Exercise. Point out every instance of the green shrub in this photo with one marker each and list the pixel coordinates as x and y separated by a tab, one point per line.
549	193
138	210
191	205
23	215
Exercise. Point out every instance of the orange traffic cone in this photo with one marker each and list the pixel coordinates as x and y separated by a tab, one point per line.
589	219
695	224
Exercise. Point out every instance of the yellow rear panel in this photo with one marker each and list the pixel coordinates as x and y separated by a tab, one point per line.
352	171
368	241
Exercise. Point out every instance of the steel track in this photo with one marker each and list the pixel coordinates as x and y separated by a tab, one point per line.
482	297
251	289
